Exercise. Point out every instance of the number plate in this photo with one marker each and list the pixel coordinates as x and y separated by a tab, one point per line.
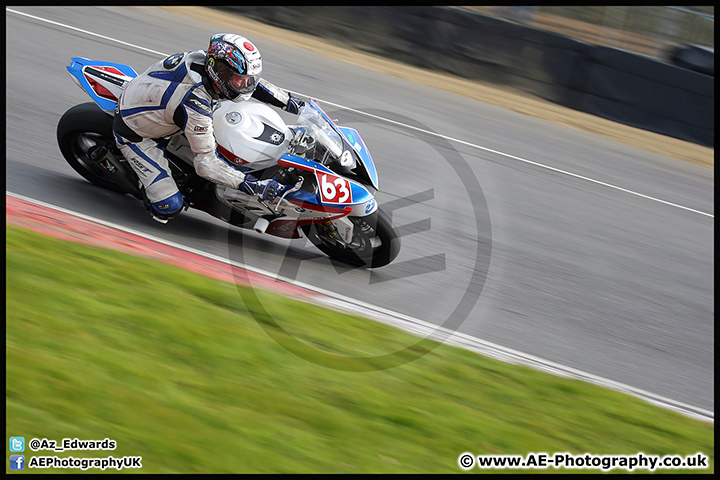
334	189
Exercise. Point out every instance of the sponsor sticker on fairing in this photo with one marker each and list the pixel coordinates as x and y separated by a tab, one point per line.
334	189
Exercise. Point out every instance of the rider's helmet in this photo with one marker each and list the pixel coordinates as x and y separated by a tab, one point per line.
233	64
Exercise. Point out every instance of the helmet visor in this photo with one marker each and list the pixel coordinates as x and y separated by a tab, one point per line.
236	82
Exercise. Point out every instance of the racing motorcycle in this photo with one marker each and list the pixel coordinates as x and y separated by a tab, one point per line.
329	174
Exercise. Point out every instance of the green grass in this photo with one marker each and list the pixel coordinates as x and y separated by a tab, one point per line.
174	367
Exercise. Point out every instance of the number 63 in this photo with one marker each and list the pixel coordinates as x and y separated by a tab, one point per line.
335	188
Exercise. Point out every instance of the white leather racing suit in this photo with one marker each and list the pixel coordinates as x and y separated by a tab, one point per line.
175	96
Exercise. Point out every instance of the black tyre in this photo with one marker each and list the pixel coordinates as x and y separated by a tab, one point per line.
376	241
80	131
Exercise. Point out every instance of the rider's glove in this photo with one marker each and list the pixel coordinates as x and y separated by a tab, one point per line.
294	104
265	189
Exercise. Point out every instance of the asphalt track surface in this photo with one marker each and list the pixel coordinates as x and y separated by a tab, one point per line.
532	236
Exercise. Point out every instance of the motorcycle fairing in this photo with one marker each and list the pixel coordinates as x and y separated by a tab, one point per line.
358	146
354	140
290	228
359	199
103	81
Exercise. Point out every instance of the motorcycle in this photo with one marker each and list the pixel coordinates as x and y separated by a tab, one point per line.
330	176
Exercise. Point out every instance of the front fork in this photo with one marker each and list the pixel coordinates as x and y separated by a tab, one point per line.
339	230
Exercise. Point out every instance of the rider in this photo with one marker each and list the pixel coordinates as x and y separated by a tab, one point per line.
177	96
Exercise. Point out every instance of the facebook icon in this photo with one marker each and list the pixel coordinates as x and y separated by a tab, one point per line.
17	462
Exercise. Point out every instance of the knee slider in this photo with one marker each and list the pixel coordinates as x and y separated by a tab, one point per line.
169	207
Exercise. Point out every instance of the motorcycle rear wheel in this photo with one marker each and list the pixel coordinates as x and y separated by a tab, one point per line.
376	241
81	129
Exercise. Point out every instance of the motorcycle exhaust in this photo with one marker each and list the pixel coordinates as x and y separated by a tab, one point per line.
120	174
261	225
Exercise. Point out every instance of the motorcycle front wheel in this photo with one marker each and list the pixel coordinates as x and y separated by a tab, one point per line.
375	243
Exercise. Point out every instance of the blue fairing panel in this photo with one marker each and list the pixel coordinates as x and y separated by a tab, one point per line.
290	160
353	138
75	69
360	193
361	197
